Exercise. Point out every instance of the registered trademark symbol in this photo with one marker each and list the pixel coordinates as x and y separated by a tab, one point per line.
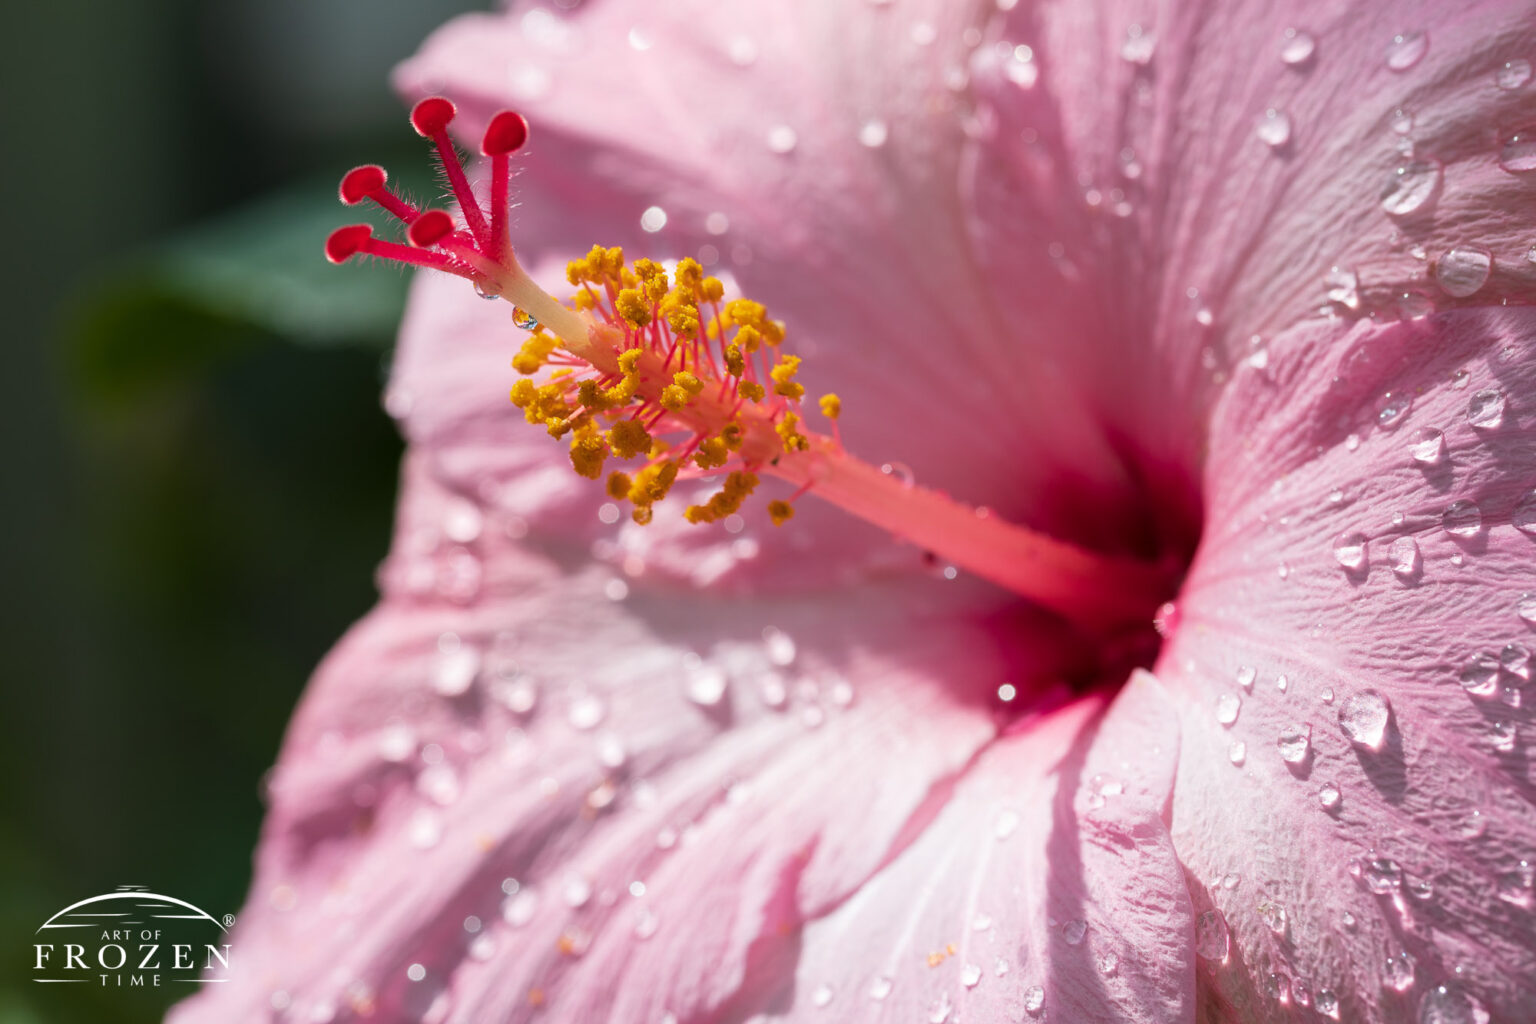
229	919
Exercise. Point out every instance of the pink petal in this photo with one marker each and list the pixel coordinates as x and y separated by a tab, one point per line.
1297	461
1046	888
400	804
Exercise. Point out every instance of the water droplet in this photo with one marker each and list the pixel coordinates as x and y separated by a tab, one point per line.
1034	999
1237	752
518	908
880	988
1296	47
1394	409
873	133
1005	824
706	685
970	975
1411	188
1273	915
1462	519
1398	974
523	319
1274	128
941	1009
1404	554
1480	676
782	139
1518	154
1516	885
1513	74
1328	1003
1231	880
1406	50
1526	608
1485	410
1329	795
1446	1005
1524	515
1516	660
1283	570
425	830
1463	270
1503	736
1342	285
1428	446
1139	46
1212	939
457	664
1227	707
1246	676
487	291
1381	875
1295	742
822	996
586	711
901	471
1282	683
1363	717
1349	549
1074	930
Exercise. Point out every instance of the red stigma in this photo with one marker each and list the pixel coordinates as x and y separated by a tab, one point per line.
432	115
506	133
362	182
347	241
478	247
429	229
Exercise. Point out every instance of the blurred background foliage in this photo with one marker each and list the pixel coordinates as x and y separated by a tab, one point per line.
198	475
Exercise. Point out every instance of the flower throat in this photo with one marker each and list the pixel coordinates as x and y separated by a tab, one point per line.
652	377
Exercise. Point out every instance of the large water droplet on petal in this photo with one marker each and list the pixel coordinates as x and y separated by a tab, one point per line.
1480	676
941	1009
1524	515
1485	410
1462	519
1381	875
1295	742
1412	188
1329	795
1513	74
1074	930
1342	286
822	996
1363	717
1034	1000
782	139
1297	47
1212	939
1274	128
1139	46
1446	1005
1405	557
1428	446
1227	706
1518	154
1349	550
1463	270
1273	915
880	988
1406	49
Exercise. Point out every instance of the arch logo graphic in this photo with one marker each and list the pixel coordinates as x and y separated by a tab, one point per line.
132	938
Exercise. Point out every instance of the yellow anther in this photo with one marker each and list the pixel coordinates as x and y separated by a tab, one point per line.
735	362
629	438
773	332
784	377
613	259
584	299
689	274
557	426
653	482
593	397
683	320
751	390
728	500
731	434
674	397
780	512
618	485
746	312
641	514
656	288
621	392
713	453
831	406
535	352
794	441
524	393
588	453
712	289
750	339
629	359
633	307
688	382
647	270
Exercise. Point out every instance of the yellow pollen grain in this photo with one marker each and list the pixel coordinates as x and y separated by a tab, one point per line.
588	452
688	382
780	512
751	390
629	438
831	406
619	485
674	397
633	307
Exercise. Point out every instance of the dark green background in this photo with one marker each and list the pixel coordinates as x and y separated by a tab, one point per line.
198	476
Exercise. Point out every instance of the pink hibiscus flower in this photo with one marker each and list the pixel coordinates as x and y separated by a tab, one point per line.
1243	291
